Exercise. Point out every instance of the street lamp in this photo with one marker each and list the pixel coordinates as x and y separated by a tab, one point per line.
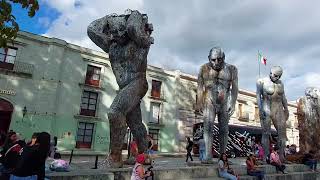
24	111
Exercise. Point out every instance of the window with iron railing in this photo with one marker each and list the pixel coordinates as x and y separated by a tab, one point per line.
156	89
84	135
89	103
154	134
93	75
8	57
155	113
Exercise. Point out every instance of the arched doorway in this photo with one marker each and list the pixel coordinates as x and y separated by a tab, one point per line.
6	109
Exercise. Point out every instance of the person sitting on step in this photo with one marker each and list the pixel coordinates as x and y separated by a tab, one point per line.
275	161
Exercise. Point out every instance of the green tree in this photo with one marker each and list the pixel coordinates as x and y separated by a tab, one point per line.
8	26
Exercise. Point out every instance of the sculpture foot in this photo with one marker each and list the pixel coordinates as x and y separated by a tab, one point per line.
110	162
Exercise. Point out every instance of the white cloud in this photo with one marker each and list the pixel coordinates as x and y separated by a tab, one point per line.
60	5
285	31
44	21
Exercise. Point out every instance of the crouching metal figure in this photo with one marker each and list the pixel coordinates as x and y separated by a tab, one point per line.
126	38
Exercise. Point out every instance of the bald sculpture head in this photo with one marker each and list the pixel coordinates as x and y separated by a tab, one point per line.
275	73
216	58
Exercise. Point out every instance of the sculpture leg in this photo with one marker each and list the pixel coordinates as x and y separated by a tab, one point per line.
280	124
266	132
209	116
117	121
126	101
134	121
223	121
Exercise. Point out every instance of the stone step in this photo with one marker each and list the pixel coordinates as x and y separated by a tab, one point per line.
194	172
268	169
241	169
289	176
276	176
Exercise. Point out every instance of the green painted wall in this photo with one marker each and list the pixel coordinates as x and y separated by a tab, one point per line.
53	94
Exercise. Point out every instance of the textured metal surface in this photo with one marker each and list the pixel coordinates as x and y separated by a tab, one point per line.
273	107
127	40
309	120
217	94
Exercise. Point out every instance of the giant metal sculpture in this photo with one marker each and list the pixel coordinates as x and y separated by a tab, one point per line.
216	96
127	40
309	121
273	107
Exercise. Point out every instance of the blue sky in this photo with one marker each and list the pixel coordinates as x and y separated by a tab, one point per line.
185	31
38	24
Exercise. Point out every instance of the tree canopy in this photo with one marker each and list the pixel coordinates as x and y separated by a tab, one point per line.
8	26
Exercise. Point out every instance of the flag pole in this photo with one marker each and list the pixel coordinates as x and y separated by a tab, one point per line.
259	62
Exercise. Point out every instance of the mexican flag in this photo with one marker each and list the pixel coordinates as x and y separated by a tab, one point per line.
262	59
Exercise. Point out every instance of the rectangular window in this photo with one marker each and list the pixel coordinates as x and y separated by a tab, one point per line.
93	75
240	110
156	89
7	57
88	103
154	133
256	113
155	113
84	135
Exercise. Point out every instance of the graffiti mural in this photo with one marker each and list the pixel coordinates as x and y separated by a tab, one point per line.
240	140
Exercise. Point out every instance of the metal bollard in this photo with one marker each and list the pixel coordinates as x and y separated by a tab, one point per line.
71	156
96	163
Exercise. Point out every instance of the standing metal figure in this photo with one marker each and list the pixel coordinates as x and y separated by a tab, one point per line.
216	96
273	107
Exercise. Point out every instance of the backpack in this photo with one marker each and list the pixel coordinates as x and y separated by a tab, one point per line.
59	165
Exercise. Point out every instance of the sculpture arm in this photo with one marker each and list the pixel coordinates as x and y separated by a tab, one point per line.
136	30
234	91
96	33
259	98
285	105
200	92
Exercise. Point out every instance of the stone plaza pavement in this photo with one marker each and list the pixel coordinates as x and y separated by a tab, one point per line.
88	162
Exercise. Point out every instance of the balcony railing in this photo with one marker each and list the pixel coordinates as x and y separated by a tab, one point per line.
17	67
22	67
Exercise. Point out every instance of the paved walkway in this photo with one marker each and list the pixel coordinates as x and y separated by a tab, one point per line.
87	162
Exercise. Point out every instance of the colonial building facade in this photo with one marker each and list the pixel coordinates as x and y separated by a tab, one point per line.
47	84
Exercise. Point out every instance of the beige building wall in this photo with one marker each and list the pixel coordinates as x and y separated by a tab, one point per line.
246	112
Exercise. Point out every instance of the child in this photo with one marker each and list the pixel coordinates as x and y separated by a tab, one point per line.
138	172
